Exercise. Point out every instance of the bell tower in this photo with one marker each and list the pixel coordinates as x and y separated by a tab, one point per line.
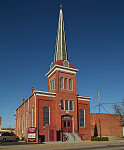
61	70
62	81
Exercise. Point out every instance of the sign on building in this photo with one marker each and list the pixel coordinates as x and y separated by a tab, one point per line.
31	134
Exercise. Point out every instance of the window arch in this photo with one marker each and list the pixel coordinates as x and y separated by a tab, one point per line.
82	118
61	83
46	119
66	83
70	84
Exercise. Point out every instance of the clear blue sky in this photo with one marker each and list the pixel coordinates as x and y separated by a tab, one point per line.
95	44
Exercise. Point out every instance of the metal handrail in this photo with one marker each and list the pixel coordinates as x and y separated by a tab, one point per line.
78	134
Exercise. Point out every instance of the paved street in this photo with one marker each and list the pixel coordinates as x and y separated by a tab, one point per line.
109	145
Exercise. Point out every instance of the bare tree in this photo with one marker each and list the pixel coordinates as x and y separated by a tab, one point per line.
119	109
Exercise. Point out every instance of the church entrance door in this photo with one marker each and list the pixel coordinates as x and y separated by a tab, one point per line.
67	123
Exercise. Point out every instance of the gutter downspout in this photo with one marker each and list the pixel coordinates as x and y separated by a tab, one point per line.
35	109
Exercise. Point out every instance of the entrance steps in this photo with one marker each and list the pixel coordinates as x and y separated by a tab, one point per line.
71	137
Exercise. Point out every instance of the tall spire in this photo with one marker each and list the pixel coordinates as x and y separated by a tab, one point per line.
61	48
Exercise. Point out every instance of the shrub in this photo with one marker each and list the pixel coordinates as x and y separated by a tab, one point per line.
99	138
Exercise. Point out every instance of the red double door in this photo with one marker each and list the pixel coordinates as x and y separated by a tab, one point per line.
67	124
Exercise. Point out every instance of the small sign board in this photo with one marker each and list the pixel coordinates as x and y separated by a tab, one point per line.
31	134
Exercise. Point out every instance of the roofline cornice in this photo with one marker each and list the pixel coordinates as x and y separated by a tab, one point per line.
59	67
84	97
44	93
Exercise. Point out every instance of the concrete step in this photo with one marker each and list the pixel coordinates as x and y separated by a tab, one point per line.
71	137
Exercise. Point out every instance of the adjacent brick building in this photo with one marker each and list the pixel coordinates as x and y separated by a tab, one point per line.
61	109
111	124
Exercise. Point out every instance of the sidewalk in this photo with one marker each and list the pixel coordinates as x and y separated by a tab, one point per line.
63	145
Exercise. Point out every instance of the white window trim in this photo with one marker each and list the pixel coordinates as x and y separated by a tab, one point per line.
84	120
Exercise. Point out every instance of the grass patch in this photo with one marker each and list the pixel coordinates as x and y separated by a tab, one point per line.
99	138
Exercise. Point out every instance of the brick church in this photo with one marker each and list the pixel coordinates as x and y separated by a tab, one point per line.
59	114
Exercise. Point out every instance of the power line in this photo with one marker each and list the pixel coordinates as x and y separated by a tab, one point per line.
112	103
109	113
94	107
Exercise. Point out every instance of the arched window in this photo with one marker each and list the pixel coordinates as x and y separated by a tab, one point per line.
32	116
66	83
62	104
71	105
23	121
50	86
61	83
70	84
66	105
27	119
45	115
54	84
82	118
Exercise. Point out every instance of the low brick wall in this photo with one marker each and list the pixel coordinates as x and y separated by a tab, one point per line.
111	124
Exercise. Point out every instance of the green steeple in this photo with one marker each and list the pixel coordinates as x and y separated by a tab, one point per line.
61	48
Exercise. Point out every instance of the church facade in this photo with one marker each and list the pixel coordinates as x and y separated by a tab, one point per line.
60	111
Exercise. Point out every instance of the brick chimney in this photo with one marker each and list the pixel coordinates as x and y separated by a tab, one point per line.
32	90
23	100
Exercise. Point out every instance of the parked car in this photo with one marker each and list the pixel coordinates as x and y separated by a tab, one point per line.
7	136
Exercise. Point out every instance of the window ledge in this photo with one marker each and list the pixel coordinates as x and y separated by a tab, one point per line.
82	127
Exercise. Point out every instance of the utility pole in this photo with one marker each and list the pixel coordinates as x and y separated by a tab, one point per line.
99	101
99	114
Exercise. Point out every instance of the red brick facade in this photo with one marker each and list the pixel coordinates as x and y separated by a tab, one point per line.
61	108
52	99
111	125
